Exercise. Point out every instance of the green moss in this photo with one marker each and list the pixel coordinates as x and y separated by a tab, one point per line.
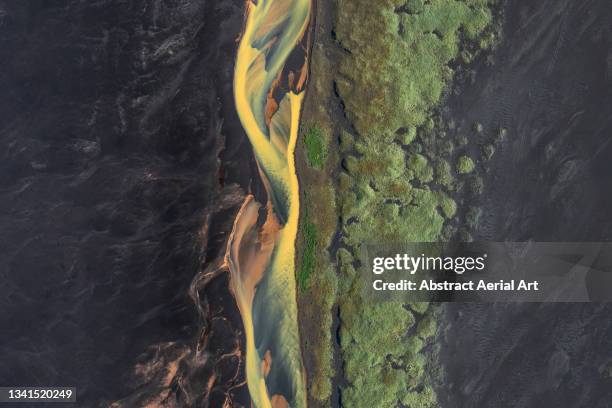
414	345
426	398
407	135
398	65
465	165
372	342
347	140
419	168
393	76
309	244
426	327
419	307
443	174
316	147
344	183
323	290
488	40
447	204
466	56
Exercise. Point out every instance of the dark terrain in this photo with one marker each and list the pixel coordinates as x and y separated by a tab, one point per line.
122	166
549	180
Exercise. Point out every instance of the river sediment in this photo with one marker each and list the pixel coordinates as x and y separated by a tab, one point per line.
270	74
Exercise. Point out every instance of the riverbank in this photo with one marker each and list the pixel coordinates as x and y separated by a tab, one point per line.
317	161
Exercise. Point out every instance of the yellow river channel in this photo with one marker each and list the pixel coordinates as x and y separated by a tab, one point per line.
261	255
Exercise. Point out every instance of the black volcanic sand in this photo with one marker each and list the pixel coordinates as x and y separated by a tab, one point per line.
120	158
551	87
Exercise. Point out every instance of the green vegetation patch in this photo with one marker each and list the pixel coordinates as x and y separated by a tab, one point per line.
309	245
322	289
443	174
393	75
447	204
465	165
316	146
398	66
419	168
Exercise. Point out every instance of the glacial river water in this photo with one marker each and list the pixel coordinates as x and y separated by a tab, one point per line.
261	248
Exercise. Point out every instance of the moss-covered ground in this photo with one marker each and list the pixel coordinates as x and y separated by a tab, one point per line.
309	255
389	178
397	182
315	144
465	165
